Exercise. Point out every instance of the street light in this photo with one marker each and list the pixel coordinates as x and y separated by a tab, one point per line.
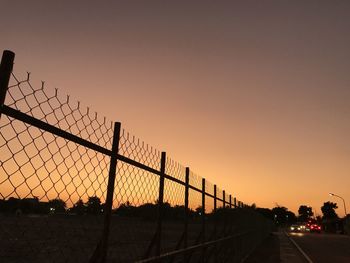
331	194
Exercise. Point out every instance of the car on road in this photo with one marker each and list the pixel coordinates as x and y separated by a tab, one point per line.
294	228
315	228
297	228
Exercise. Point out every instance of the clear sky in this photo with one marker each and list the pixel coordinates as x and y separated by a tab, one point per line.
252	95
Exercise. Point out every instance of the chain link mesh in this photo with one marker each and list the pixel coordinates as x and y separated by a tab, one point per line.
47	180
47	105
139	151
175	169
134	206
53	190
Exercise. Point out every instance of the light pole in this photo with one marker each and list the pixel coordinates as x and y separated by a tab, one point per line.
331	194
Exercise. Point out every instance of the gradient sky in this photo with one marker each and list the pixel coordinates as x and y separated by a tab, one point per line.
252	95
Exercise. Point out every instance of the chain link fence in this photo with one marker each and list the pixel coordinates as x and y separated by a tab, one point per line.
75	187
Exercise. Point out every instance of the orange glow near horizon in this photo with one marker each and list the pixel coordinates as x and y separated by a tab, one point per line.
253	97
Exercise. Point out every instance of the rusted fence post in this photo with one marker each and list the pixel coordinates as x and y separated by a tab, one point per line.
6	67
100	253
160	203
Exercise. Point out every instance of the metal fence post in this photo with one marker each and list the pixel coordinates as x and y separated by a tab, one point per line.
230	214
203	218
6	67
224	211
157	237
160	203
235	202
224	198
215	223
100	253
215	202
187	180
187	183
215	211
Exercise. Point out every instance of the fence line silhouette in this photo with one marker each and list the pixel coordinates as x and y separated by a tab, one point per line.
75	187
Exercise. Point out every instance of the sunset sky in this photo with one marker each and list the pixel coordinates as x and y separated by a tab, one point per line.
252	95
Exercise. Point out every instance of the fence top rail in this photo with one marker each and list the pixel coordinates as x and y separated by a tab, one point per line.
49	105
54	130
53	113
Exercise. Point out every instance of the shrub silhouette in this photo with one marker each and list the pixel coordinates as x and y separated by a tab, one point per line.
79	208
57	206
94	206
149	211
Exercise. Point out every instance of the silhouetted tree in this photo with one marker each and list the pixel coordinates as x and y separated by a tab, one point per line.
305	213
199	210
79	207
147	211
178	212
291	217
126	209
282	215
93	205
318	219
13	204
328	210
57	206
266	212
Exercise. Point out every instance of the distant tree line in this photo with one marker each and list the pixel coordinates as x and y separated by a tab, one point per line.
53	206
329	220
149	211
93	205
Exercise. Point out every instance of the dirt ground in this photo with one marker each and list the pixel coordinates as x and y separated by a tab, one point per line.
267	252
72	239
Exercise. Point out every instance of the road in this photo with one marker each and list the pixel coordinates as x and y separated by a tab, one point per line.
324	247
